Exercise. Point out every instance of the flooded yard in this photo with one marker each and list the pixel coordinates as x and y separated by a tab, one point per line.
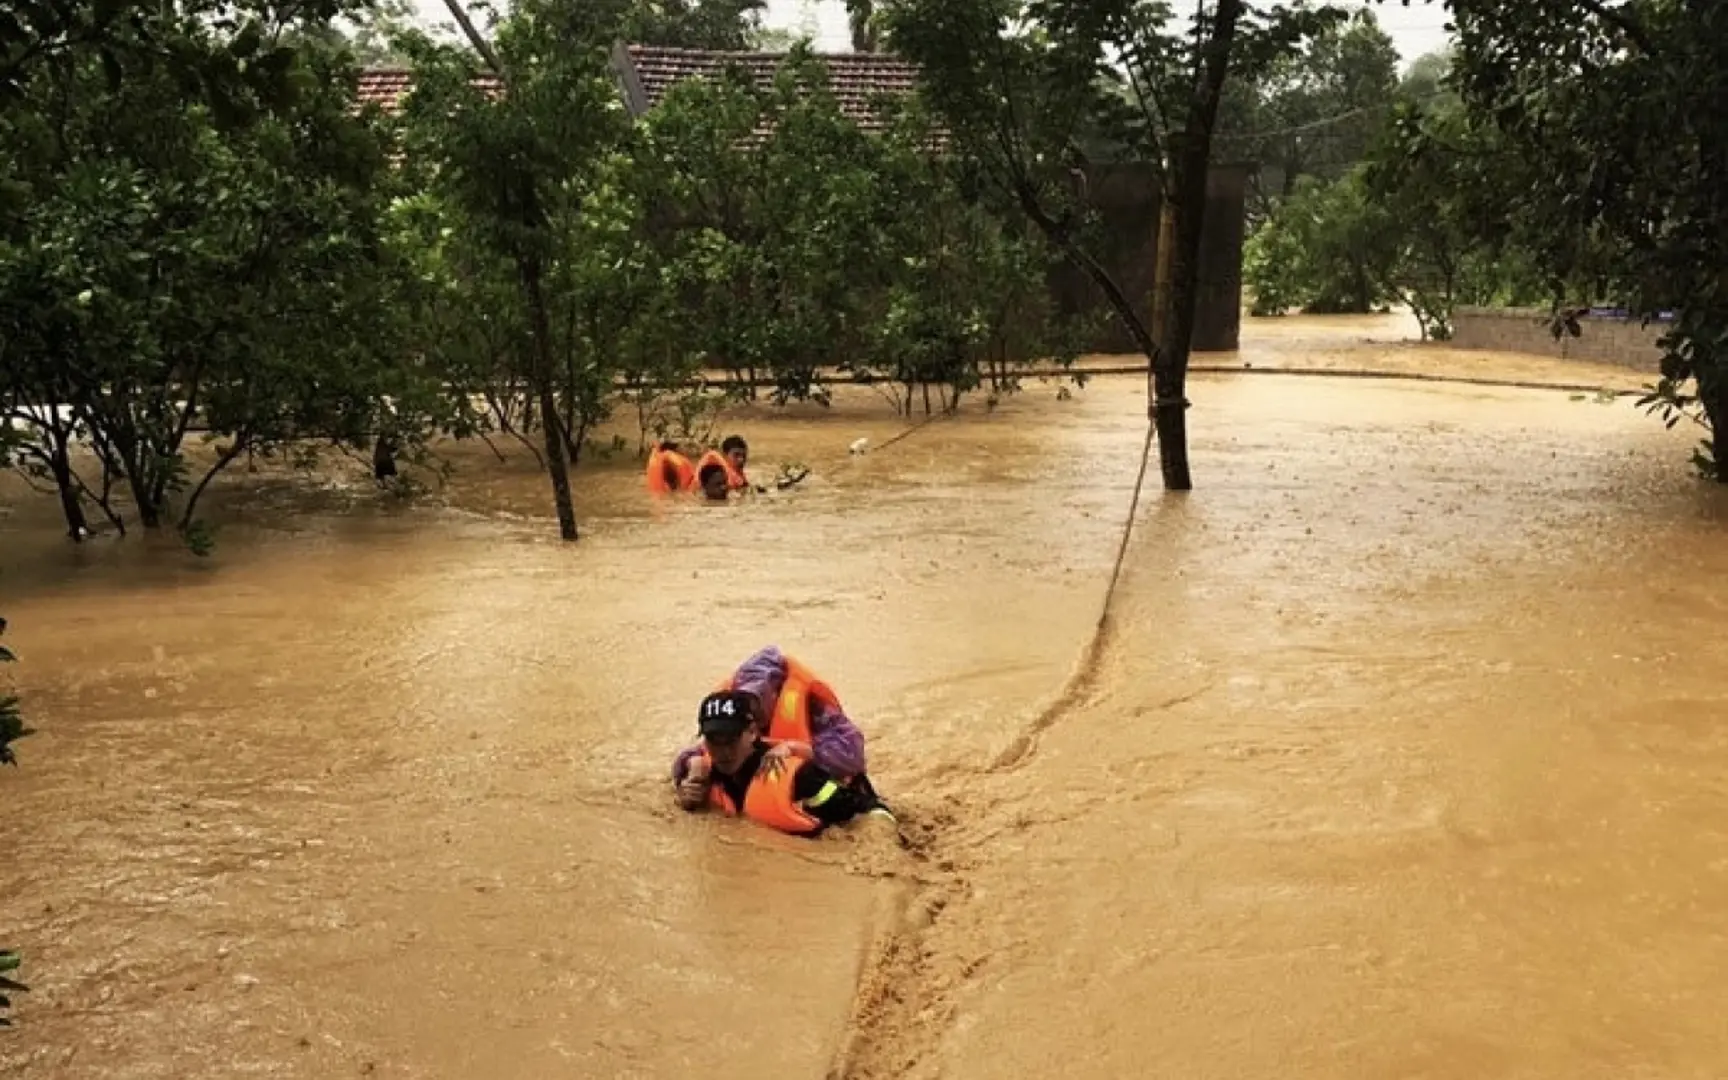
1406	754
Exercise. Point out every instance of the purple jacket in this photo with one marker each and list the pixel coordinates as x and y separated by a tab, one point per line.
837	743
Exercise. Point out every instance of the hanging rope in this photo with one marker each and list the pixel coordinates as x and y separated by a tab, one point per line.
1085	671
920	425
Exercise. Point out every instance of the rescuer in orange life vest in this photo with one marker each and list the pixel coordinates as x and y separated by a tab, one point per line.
669	472
735	774
733	455
802	716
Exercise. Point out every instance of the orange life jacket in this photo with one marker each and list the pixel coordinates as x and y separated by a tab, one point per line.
734	479
683	474
768	801
789	714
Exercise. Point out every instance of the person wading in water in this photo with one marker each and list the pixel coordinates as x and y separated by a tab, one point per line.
736	773
802	716
733	455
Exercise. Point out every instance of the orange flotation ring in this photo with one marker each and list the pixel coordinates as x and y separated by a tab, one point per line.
669	472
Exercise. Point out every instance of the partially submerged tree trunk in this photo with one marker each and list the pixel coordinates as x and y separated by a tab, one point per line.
242	444
140	476
1190	159
383	459
550	425
530	271
60	466
1713	396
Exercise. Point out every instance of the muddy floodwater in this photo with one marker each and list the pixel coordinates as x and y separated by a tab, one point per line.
1404	754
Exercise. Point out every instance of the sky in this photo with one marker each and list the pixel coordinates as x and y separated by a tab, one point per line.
1415	30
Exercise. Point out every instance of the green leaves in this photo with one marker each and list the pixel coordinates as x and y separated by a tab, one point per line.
1621	182
199	245
9	961
12	728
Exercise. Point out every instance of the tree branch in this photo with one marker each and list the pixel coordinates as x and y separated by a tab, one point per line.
481	45
1094	270
223	460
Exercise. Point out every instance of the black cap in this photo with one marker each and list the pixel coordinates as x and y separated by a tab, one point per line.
724	716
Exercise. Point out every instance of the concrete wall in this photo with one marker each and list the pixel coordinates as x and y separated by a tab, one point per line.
1218	314
1606	339
1125	195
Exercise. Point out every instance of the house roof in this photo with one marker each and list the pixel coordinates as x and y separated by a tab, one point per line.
387	87
647	72
857	80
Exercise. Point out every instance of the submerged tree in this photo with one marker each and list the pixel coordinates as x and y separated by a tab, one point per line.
1420	221
1617	107
1034	90
785	231
1329	248
189	241
515	169
12	726
11	729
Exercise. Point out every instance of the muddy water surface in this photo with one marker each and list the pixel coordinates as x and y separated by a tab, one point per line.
1403	757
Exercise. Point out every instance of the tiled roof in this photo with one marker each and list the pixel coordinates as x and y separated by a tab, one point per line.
647	72
857	80
386	87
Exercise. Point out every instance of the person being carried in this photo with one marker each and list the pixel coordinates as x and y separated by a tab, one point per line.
669	471
733	455
714	483
736	773
802	716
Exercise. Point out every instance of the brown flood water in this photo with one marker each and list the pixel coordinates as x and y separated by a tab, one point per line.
1406	756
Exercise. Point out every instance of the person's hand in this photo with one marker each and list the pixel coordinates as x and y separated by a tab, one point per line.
782	752
693	789
692	794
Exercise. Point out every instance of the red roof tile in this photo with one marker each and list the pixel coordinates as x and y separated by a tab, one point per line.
857	80
387	87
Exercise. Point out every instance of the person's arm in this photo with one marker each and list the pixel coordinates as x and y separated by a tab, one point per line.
763	675
836	743
825	799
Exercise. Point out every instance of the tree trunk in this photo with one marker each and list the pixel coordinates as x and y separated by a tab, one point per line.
140	474
383	459
143	494
1163	261
1191	157
1169	405
1713	395
529	267
574	431
60	464
860	14
242	443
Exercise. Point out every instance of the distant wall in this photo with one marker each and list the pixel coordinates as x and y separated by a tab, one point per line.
1125	195
1606	339
1218	314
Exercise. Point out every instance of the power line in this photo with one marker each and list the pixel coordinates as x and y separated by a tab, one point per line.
1325	121
1298	129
